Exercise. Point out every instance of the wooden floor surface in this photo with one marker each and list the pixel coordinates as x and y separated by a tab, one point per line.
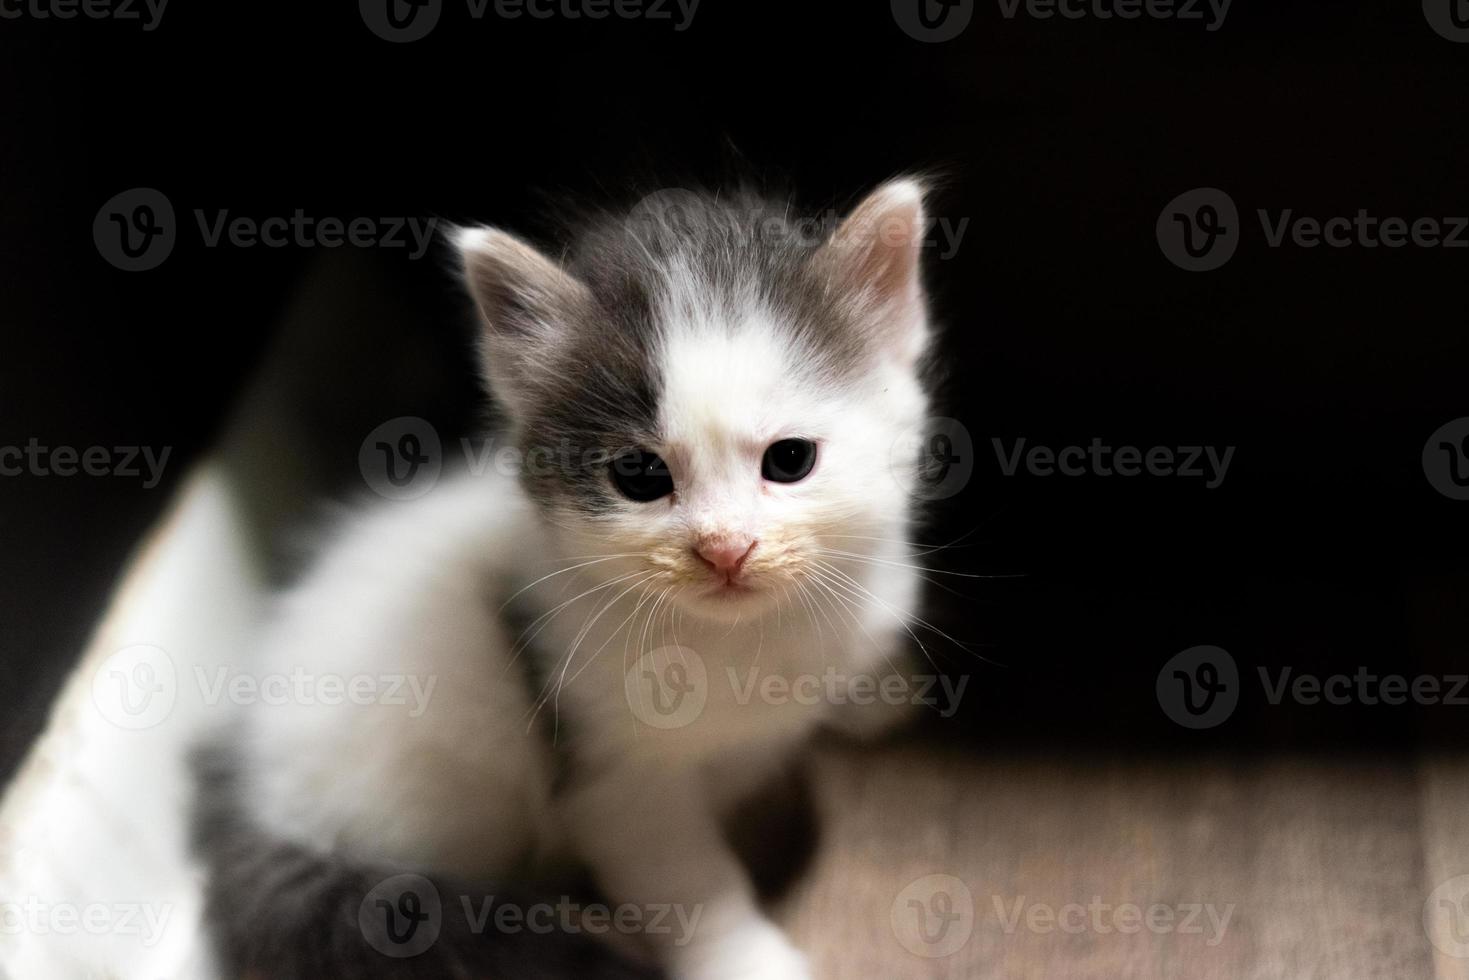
947	864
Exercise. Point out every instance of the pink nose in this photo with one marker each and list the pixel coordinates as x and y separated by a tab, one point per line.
725	555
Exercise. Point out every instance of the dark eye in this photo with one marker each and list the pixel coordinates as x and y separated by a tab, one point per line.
641	476
789	460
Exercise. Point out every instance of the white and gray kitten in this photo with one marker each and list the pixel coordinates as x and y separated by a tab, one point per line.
708	407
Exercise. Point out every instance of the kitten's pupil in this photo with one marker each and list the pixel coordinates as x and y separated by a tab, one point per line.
641	476
789	460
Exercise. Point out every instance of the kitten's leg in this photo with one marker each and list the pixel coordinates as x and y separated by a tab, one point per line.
651	836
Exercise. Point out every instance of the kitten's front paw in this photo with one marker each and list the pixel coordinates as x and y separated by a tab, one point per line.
759	951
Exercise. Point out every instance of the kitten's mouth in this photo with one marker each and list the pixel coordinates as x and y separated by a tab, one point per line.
729	588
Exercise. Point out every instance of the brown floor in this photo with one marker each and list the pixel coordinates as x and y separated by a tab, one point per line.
1328	865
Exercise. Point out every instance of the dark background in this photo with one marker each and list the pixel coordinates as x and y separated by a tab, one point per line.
1061	141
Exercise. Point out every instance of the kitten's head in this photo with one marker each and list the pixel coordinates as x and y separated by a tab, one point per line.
707	393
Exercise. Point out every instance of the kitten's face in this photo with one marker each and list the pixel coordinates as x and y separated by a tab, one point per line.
770	468
723	423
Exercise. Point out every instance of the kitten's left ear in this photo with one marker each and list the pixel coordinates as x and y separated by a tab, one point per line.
873	259
527	303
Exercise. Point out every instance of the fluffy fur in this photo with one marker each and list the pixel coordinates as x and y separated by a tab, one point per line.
703	335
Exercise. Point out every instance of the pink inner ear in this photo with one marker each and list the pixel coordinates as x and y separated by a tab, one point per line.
874	257
876	248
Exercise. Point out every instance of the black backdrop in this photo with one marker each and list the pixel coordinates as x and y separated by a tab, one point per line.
1325	548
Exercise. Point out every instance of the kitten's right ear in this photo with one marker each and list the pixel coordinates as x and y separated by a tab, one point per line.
527	304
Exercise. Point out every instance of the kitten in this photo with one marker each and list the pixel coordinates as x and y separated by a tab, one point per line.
708	406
